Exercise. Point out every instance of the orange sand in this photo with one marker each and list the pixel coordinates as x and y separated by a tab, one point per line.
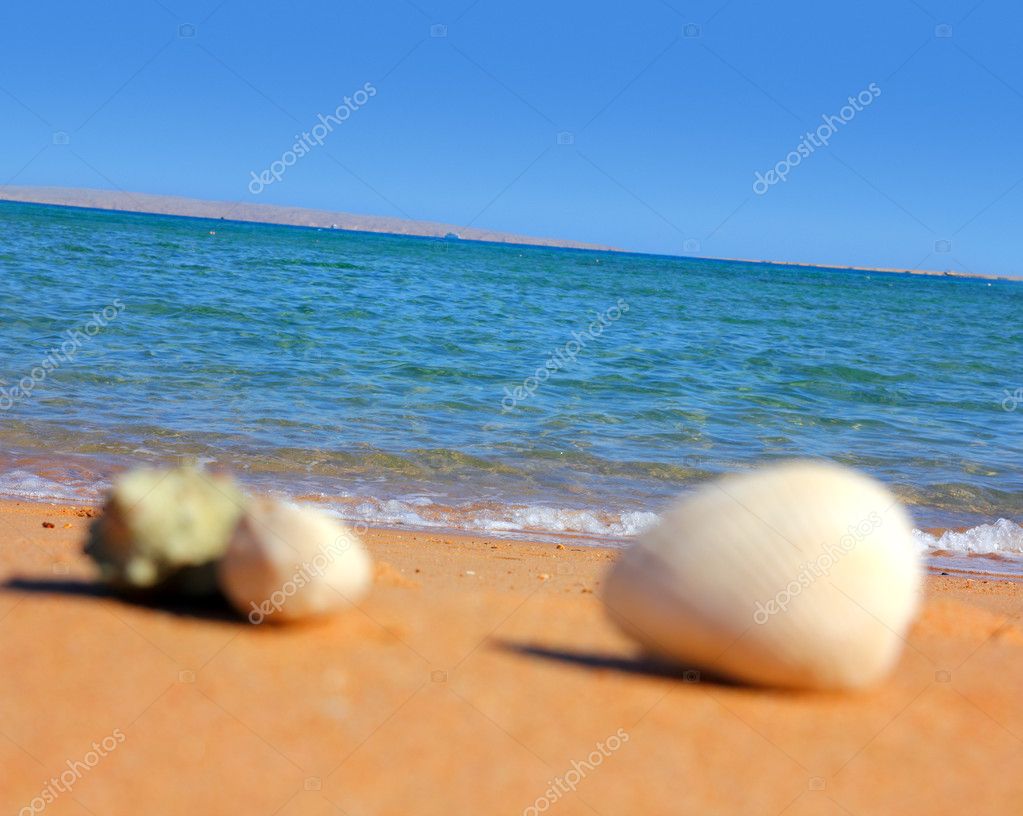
475	674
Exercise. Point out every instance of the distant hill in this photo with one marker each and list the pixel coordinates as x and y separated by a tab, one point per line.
303	217
269	214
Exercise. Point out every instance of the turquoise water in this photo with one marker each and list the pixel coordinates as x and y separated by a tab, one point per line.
378	374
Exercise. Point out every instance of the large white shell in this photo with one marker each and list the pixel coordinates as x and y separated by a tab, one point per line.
286	563
800	575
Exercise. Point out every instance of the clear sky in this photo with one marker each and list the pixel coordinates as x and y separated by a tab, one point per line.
669	110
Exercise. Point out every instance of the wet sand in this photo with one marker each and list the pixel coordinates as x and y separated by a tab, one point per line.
478	677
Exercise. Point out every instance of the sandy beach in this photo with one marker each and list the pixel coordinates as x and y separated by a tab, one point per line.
479	409
479	676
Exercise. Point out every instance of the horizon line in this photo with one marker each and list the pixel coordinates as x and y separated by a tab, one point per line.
292	216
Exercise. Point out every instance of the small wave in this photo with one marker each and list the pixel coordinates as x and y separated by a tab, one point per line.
1001	541
558	520
1002	537
22	484
519	520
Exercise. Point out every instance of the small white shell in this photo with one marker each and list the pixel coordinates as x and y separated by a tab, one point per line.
802	575
286	563
164	530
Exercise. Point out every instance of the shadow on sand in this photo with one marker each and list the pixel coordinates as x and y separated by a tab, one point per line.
644	665
211	608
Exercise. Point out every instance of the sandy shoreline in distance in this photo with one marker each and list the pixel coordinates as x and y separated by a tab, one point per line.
473	677
246	211
882	270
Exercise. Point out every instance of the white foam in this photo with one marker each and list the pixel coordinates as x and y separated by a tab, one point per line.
419	512
22	484
559	520
1002	537
385	513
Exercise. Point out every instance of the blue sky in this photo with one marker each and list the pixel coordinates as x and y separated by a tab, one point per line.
672	108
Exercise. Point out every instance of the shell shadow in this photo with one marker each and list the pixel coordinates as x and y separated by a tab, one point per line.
643	665
211	608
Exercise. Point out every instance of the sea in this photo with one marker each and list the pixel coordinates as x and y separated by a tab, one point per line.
497	389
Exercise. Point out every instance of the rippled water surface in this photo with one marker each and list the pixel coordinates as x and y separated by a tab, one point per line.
499	388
